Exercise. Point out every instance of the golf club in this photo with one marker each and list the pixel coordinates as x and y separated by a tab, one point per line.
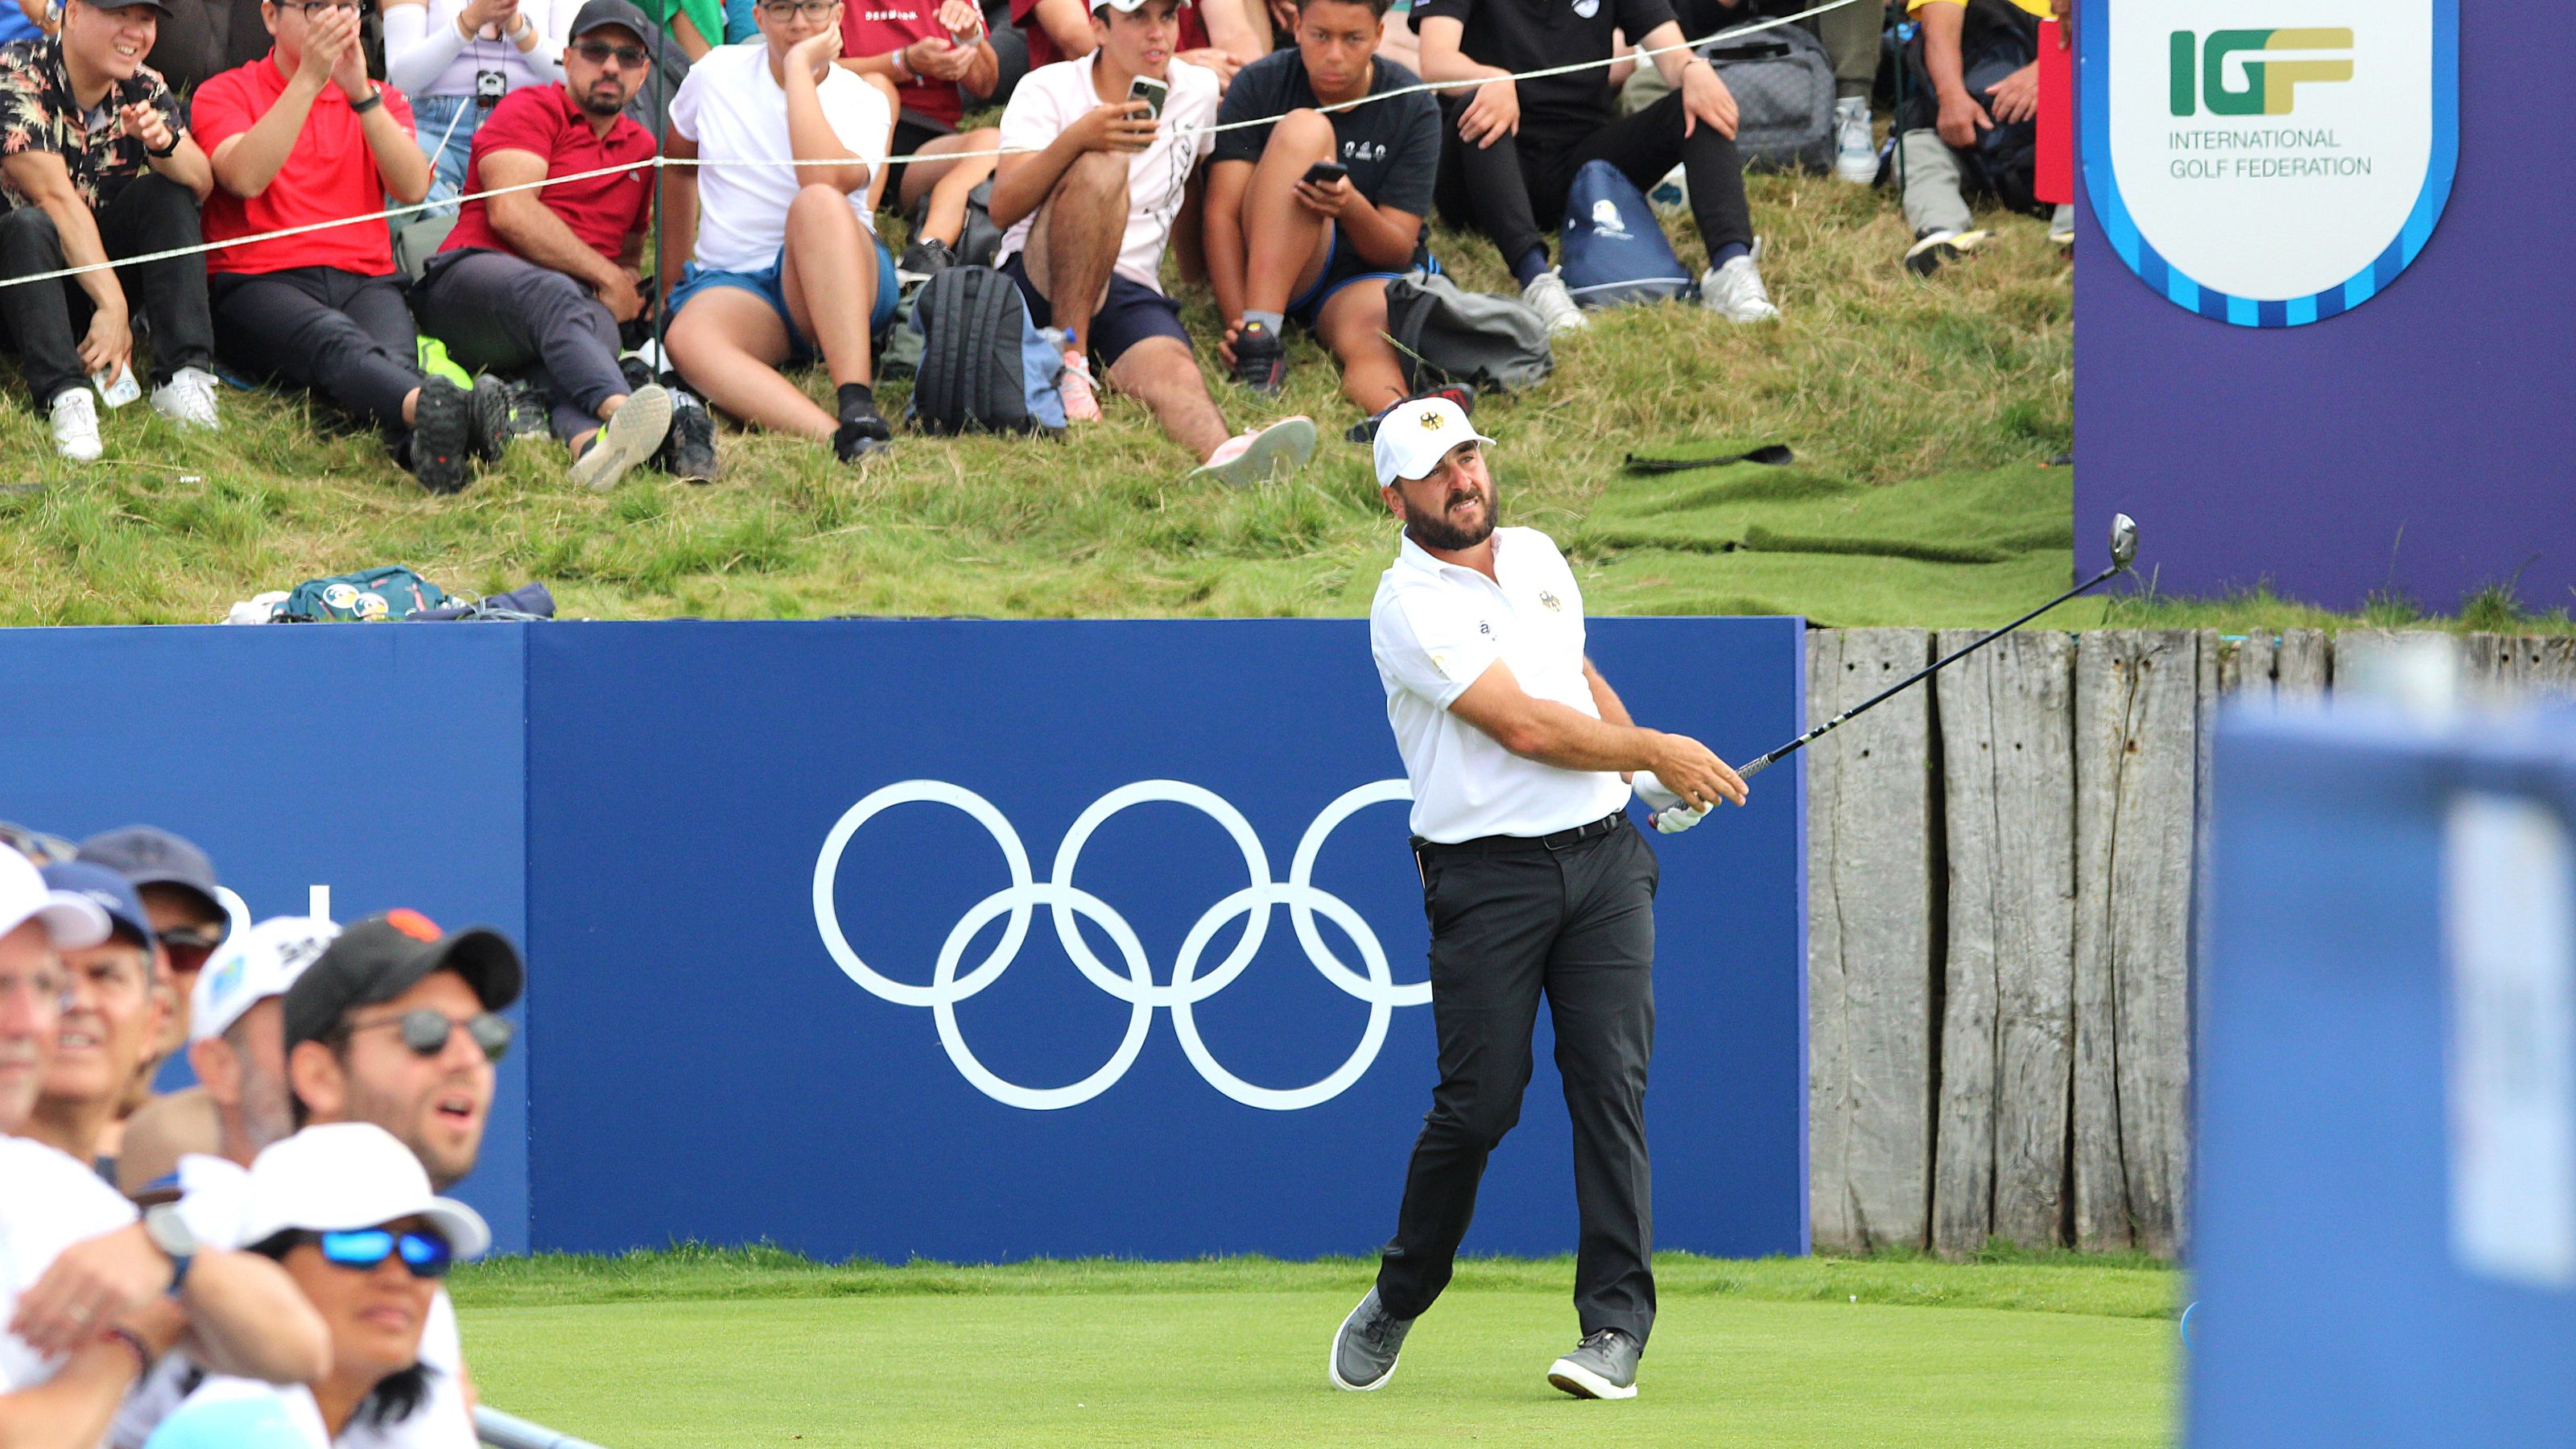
2124	548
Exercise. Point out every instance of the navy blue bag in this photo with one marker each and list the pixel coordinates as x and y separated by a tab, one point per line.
1614	250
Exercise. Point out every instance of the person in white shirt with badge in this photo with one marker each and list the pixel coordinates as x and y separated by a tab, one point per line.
1520	756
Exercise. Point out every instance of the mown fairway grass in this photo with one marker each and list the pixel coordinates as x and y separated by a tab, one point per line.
752	1348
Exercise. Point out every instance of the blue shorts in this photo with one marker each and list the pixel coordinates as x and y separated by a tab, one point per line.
1342	267
766	285
1130	313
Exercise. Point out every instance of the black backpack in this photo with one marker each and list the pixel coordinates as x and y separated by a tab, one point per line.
1783	84
984	365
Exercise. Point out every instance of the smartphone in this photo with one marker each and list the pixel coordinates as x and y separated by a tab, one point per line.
1325	173
1152	92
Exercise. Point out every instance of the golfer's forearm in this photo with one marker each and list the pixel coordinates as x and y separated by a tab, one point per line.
251	1320
1605	700
1552	733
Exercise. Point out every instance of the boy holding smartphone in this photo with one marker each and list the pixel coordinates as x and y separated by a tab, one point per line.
1309	217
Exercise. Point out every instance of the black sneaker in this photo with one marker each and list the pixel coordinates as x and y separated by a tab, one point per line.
1364	432
1260	359
1366	1346
528	415
928	256
689	451
636	371
442	436
1603	1366
863	431
487	418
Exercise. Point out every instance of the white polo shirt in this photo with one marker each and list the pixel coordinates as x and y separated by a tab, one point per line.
1053	97
1435	628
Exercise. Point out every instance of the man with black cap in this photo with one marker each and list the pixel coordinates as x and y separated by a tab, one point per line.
176	882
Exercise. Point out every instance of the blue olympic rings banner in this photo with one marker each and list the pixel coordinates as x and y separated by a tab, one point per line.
979	940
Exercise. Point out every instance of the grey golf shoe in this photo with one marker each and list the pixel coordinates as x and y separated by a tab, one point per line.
1365	1347
1603	1366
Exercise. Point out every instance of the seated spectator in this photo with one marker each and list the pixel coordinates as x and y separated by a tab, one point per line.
1514	145
544	277
935	55
303	136
1851	35
81	192
176	882
455	60
1090	208
787	263
1219	35
349	1214
1951	143
111	1023
1282	248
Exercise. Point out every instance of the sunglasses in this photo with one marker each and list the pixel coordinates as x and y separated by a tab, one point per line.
189	946
426	1254
600	52
426	1031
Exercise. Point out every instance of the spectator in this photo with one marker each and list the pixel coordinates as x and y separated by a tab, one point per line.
1217	34
1515	144
1851	34
1951	142
544	277
302	136
111	1023
1282	248
350	1216
782	267
176	882
455	60
916	46
1090	206
689	31
1395	40
83	192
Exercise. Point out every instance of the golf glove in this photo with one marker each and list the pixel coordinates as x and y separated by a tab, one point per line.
1664	809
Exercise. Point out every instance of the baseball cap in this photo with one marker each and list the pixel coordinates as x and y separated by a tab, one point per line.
147	855
383	956
262	962
1414	436
600	13
72	919
1123	7
110	890
339	1177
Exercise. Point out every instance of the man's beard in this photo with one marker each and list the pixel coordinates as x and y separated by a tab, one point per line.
1435	531
591	105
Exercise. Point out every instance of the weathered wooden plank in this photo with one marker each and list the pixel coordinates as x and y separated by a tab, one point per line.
2007	1032
2136	763
2548	666
2246	666
1869	951
2489	667
2303	666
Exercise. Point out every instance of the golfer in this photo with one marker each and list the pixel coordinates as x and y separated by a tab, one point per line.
1519	754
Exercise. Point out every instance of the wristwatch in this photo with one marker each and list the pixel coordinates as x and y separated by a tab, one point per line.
166	152
169	1232
375	98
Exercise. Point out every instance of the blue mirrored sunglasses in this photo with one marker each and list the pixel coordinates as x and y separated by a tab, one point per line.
427	1255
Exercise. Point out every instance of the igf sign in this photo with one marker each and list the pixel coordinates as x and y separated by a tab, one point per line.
2270	162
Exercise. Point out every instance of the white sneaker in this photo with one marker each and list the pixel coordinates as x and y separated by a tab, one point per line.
76	425
1555	305
1855	145
1940	246
1081	394
1735	292
1265	456
632	434
188	399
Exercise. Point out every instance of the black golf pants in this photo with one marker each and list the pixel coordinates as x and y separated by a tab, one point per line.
1514	190
1511	921
46	320
343	334
499	313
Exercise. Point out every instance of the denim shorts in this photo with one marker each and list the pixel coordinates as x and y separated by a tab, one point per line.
769	285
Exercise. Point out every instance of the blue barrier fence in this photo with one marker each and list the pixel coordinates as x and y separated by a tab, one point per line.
740	1025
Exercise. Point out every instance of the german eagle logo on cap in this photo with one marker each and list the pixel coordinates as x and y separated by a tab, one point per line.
1431	420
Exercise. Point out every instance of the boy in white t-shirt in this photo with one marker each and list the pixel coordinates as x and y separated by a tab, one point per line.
786	262
1089	202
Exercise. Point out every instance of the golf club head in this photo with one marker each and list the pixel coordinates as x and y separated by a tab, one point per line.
2124	540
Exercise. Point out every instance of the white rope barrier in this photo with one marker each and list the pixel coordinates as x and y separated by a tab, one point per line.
658	162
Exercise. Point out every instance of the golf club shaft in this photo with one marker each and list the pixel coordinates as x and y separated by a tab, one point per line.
1761	763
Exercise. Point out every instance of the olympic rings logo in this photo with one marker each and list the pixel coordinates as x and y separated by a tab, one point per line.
951	982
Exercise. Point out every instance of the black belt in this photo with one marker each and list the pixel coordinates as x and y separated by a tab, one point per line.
1506	844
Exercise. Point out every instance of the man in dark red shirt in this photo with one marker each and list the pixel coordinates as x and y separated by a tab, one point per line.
298	137
545	276
935	54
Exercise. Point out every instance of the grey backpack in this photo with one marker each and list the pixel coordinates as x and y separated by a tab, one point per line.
1783	85
1476	339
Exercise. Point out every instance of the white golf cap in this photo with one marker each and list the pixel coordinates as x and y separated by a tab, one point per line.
1416	435
342	1176
252	967
1123	7
72	919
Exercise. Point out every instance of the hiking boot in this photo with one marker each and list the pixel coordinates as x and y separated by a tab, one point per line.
76	425
528	415
442	444
1364	432
1735	292
188	399
1555	305
1081	395
1603	1366
689	450
1366	1346
1260	359
863	432
927	257
1855	146
632	434
487	418
1264	456
1938	246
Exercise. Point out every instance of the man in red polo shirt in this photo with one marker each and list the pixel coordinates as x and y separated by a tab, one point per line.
545	276
935	54
302	136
